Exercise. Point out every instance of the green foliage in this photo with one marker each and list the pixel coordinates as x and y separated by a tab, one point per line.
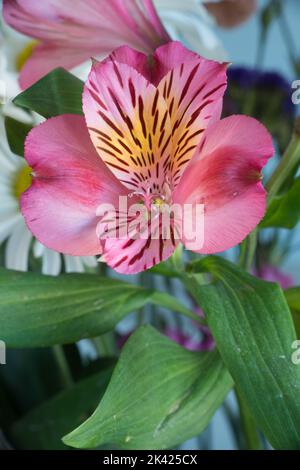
57	93
44	426
284	211
160	395
16	133
254	331
37	310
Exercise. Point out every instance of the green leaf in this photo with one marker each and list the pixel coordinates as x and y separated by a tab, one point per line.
57	93
37	310
44	426
254	331
160	395
38	364
293	298
16	133
284	211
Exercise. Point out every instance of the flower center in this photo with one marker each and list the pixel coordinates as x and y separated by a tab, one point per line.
22	181
155	198
160	204
25	54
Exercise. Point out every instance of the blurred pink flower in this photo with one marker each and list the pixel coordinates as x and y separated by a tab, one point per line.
202	342
205	343
231	13
273	274
70	33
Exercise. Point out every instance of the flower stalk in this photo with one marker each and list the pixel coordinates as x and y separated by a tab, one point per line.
63	366
287	165
251	436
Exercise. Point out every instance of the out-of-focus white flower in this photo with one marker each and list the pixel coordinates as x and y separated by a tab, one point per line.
189	22
9	87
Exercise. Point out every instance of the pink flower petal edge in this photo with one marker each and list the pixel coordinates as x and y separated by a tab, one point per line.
69	182
225	176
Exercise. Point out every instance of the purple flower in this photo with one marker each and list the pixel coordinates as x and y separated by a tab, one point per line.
273	274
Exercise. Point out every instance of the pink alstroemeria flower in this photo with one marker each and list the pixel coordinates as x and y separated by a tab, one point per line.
70	32
152	133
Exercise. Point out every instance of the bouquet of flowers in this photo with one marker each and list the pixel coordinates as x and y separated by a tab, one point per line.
149	196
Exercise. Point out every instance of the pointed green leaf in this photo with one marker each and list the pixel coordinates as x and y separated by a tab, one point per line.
16	133
160	395
293	299
254	331
292	296
37	310
44	426
284	211
57	93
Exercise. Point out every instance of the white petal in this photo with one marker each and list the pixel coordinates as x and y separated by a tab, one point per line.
17	248
89	261
189	22
9	206
8	226
38	249
51	262
73	264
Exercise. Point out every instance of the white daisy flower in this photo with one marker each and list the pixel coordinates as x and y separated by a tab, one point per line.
14	180
15	173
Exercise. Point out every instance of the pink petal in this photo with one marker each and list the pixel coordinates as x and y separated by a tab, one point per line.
47	57
128	123
92	28
137	60
131	256
69	183
169	57
193	90
225	177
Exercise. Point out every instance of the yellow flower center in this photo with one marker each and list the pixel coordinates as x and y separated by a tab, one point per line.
22	181
158	202
25	54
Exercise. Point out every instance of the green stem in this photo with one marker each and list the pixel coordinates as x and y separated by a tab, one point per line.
286	166
167	301
252	439
248	249
287	36
234	423
104	345
261	51
65	373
